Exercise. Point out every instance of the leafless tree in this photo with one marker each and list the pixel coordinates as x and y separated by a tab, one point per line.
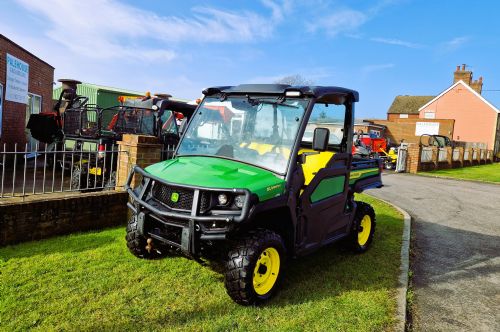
296	79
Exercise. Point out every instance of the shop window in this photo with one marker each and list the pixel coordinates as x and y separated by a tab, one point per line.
33	106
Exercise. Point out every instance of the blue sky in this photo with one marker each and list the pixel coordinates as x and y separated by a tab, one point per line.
380	48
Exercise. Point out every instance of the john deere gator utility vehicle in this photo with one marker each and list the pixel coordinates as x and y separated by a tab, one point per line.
261	173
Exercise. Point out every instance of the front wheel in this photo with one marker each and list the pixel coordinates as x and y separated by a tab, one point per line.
138	245
254	267
363	227
77	178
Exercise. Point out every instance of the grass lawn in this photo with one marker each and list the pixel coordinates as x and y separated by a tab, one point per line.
89	282
489	173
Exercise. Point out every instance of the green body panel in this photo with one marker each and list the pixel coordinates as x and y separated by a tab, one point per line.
327	188
361	174
219	173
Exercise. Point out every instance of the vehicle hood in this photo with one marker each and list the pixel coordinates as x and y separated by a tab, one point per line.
219	173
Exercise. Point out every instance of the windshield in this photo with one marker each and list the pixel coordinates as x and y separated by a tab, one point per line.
258	131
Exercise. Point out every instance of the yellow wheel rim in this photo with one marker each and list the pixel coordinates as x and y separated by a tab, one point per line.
364	233
266	271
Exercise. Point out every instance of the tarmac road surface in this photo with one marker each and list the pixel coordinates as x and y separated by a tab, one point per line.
455	253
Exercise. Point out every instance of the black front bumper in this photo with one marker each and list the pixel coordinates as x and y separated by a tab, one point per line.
191	224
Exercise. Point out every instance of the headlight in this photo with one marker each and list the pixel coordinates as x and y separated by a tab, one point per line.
239	201
222	199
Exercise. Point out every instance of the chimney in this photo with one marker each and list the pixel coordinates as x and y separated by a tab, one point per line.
462	74
477	85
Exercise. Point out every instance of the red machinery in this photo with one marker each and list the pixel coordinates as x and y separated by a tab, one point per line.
363	142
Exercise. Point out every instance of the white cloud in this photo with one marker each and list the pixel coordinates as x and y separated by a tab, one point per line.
110	29
397	42
345	20
279	10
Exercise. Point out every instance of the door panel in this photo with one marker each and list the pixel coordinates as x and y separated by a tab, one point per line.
323	202
328	187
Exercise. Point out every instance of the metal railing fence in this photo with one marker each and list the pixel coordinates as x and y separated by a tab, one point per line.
426	154
168	152
442	154
42	171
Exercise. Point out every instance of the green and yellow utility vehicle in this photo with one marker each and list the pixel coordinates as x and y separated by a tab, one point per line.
261	173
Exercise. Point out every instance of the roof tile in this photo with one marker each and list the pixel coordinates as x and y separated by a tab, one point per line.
408	104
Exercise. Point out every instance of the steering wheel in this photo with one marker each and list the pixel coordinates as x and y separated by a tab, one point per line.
79	101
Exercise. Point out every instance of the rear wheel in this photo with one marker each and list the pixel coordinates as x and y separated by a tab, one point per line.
363	227
254	267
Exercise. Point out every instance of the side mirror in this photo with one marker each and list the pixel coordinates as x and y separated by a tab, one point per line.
320	139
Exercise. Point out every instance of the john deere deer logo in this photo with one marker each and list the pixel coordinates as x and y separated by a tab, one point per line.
174	197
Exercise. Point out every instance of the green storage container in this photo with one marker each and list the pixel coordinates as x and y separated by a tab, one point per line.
104	96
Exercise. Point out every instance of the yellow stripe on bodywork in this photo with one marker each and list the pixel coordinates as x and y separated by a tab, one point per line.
361	174
357	174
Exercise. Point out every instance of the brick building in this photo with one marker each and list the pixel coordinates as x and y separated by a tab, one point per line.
15	109
459	112
406	107
375	130
476	119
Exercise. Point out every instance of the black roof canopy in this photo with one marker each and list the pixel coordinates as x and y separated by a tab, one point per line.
322	93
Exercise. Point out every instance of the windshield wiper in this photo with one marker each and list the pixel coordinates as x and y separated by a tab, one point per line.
279	102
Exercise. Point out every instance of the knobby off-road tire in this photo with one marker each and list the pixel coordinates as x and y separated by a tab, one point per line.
76	178
136	243
254	267
363	228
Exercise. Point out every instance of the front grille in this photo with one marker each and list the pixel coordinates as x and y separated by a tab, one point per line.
178	198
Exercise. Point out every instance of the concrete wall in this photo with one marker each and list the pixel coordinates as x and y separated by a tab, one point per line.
41	76
59	214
